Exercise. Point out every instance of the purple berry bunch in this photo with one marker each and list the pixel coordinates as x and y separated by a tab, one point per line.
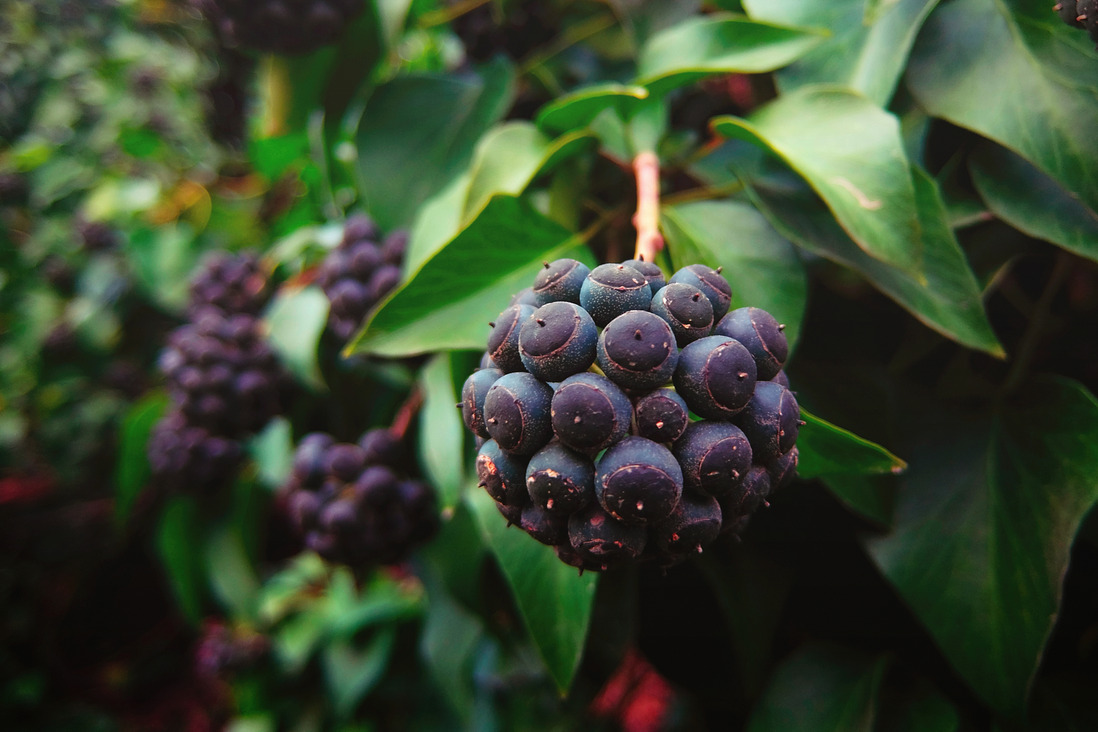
287	27
625	416
1080	14
353	505
222	377
359	273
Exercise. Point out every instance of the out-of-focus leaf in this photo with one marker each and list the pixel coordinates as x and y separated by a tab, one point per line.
418	132
132	467
762	267
852	155
553	599
577	109
162	259
351	672
498	254
1011	72
1031	201
821	688
984	523
273	452
295	321
718	44
441	440
231	574
827	449
179	543
867	49
450	639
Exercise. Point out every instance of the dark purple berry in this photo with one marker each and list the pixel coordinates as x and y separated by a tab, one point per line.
612	289
472	399
715	457
560	480
661	415
602	540
651	271
771	421
686	309
784	469
590	413
709	281
761	334
516	412
560	280
557	341
637	351
526	296
548	527
638	481
716	376
502	474
345	461
310	458
381	447
693	524
503	341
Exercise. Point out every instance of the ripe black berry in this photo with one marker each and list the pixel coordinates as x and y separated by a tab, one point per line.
637	350
686	309
186	457
231	283
602	540
557	341
560	480
715	456
503	341
613	289
662	415
590	413
694	523
784	469
516	412
382	448
770	421
548	527
760	334
638	481
502	474
716	377
560	280
472	399
710	282
1069	12
651	271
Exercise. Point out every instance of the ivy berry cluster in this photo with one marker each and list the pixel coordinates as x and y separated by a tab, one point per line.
279	26
351	503
1080	14
627	417
223	378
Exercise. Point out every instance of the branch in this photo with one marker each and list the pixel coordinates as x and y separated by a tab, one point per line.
647	219
403	419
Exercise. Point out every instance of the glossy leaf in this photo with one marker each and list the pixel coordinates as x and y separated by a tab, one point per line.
498	254
983	529
949	301
1029	200
510	156
178	542
232	577
852	155
418	132
351	672
132	468
553	598
441	440
867	48
273	452
577	109
1012	72
827	449
718	44
762	267
295	322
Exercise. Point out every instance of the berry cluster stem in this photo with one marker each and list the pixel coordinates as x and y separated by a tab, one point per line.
646	220
408	410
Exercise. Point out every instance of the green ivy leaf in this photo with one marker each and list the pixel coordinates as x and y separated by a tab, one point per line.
1000	67
295	321
762	267
351	672
868	46
720	43
554	599
984	523
950	299
273	452
498	254
232	576
132	469
826	449
418	132
178	542
577	109
441	440
1031	201
852	155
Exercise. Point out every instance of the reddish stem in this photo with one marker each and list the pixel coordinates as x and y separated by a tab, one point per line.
646	166
408	410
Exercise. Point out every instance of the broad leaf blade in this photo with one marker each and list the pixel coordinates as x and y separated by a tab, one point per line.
851	152
762	267
179	544
984	525
826	449
295	322
553	598
418	132
441	440
949	301
132	468
718	44
1012	72
867	49
1029	200
498	254
577	109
